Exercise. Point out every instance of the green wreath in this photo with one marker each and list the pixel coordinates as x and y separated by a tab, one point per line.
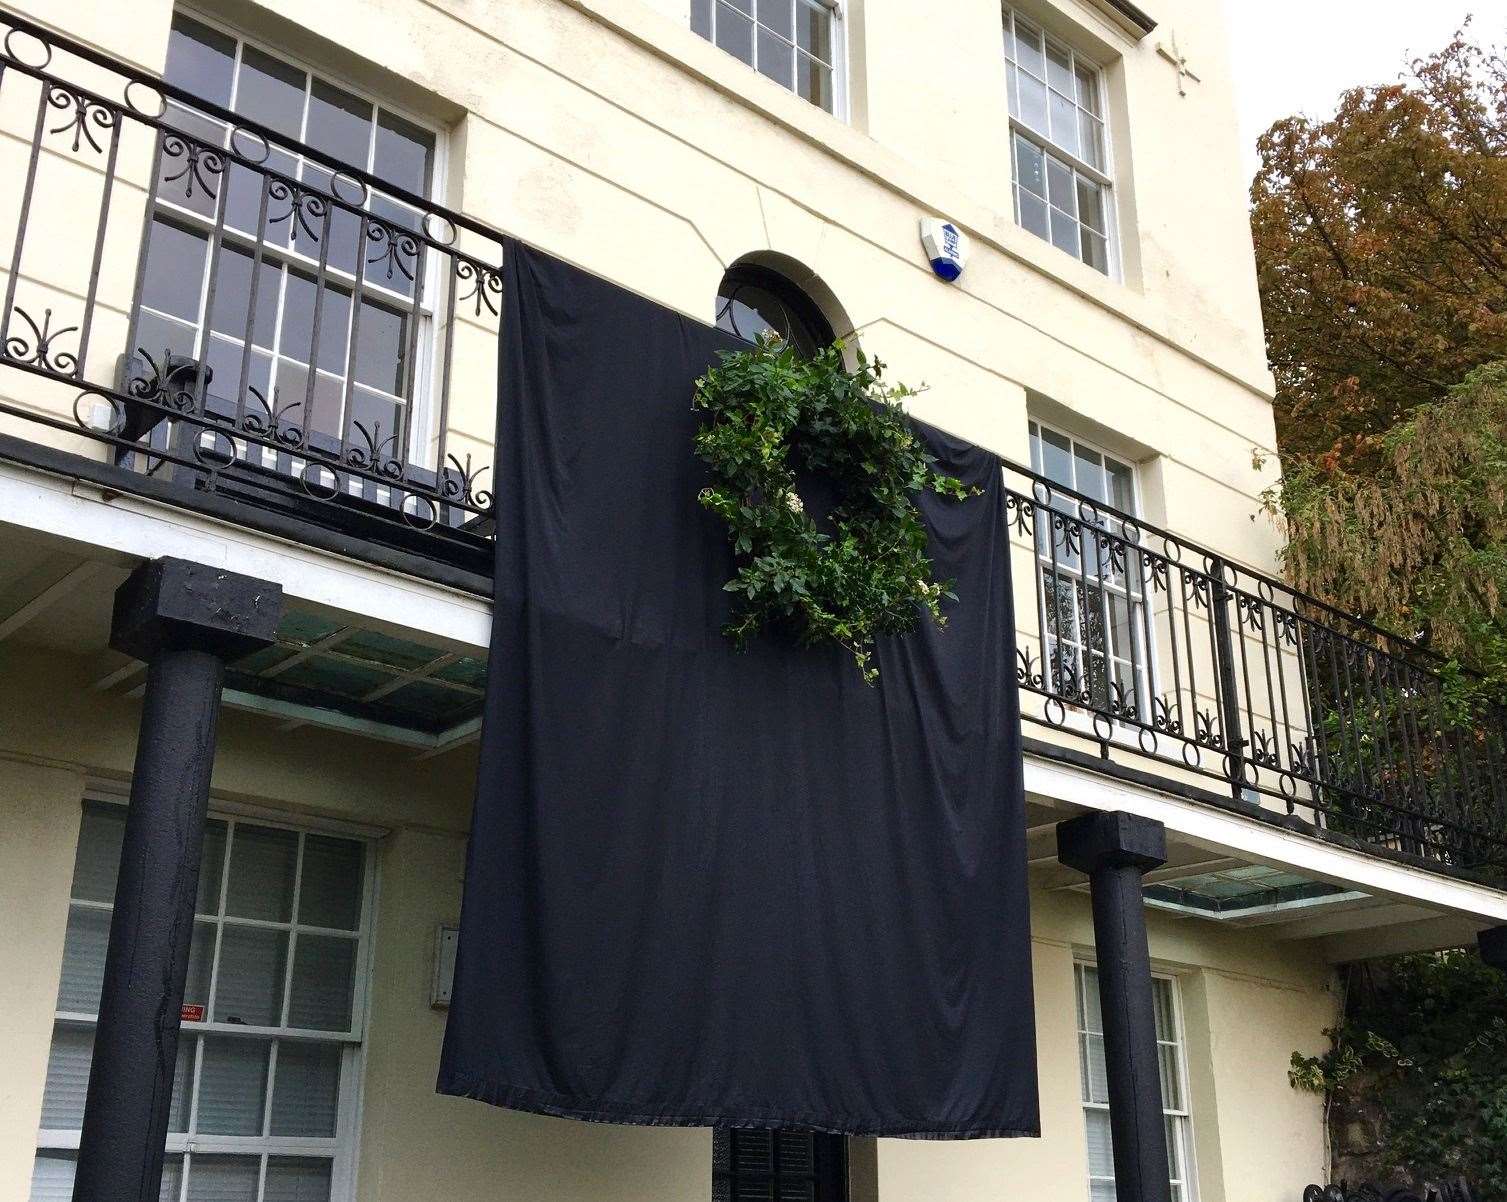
868	574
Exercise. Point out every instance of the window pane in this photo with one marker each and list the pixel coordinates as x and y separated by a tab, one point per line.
340	225
1088	467
1101	1158
83	960
1172	1089
67	1078
183	1081
323	974
1033	214
813	80
340	125
1091	140
201	955
1061	188
1090	204
160	337
405	153
381	343
52	1176
1121	485
271	92
330	895
224	358
1096	251
172	1178
211	867
298	323
813	30
1057	466
200	60
232	1086
262	863
735	33
1064	232
776	15
701	17
1033	102
1030	167
1064	123
223	1178
174	276
1166	1024
230	312
243	208
250	985
776	59
97	860
1060	69
297	1179
1096	1073
1088	89
1028	48
306	1089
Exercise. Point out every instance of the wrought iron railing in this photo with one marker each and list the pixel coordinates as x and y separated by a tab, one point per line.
1136	643
1150	647
226	308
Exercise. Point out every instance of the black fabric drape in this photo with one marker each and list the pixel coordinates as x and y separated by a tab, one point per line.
707	888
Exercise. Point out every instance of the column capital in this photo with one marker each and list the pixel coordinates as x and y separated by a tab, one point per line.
1493	944
175	604
1111	839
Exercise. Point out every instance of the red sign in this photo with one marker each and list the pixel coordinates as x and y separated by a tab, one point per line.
192	1012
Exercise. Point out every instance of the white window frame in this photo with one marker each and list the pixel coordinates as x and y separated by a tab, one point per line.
1103	176
1145	688
839	50
1183	1118
428	308
341	1148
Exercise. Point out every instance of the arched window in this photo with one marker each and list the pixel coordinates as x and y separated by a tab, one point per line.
752	300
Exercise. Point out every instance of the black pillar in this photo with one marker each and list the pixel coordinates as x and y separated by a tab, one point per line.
186	620
1493	945
1115	849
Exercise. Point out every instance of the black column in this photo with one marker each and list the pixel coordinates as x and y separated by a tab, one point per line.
1493	945
186	620
1115	849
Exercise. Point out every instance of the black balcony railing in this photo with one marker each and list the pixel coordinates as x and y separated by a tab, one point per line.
1150	647
234	311
301	368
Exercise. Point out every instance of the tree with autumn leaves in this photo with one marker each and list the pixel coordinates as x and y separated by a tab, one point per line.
1381	250
1381	253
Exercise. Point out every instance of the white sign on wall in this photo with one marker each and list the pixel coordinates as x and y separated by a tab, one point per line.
946	247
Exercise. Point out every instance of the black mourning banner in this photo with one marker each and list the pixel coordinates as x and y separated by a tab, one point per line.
707	888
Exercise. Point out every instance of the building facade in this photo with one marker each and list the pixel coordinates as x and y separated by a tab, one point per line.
250	319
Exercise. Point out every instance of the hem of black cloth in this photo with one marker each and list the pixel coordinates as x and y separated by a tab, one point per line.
518	1097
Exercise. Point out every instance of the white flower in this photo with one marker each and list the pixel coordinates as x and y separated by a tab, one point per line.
794	502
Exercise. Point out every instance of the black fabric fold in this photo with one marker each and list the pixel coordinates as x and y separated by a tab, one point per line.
708	888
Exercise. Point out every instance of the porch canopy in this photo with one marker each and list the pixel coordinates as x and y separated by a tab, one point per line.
707	888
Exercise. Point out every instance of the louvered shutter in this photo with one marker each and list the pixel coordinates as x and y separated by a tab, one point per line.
778	1166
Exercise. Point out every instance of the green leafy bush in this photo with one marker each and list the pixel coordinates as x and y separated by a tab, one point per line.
1424	1044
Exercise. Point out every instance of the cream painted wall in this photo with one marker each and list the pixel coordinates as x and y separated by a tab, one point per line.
39	818
605	131
1248	1001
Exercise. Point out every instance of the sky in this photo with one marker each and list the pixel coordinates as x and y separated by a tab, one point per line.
1294	56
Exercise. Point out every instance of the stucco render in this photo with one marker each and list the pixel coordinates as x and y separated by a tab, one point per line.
605	132
1248	1000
